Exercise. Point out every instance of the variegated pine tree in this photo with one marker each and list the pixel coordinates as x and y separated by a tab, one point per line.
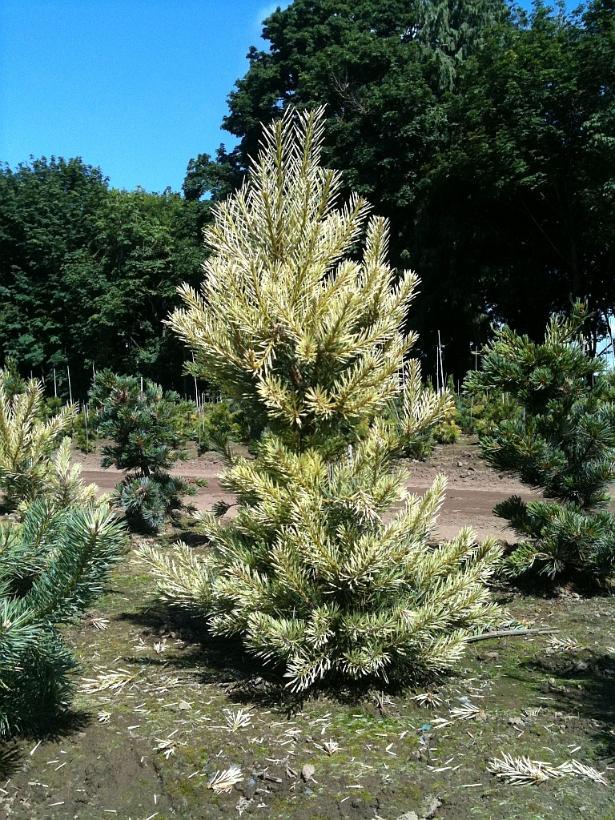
300	323
27	443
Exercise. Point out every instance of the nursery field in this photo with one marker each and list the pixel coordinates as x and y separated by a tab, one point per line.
159	710
287	529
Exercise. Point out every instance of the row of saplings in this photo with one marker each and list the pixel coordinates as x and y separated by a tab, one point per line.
314	574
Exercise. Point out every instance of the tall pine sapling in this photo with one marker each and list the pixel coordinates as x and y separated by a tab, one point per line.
314	574
562	442
145	427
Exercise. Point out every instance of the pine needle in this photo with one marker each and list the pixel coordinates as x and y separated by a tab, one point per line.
113	680
521	771
223	781
238	719
557	645
467	711
167	745
98	623
577	769
430	699
329	746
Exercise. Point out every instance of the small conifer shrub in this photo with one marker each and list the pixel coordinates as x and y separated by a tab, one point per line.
141	420
146	430
561	439
217	425
300	323
53	560
480	410
422	445
52	566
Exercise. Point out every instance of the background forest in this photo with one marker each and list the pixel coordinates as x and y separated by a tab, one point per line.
485	134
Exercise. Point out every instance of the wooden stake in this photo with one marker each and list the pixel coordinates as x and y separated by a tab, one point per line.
70	389
475	353
442	384
196	388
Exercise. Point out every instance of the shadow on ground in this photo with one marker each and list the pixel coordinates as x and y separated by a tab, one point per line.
53	728
245	680
583	684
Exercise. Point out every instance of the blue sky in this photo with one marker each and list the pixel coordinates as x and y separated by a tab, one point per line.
137	87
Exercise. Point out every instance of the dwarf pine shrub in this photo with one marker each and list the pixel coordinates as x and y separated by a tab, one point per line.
146	430
300	323
561	440
52	566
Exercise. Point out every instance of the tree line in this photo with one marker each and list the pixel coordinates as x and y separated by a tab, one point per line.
88	273
485	134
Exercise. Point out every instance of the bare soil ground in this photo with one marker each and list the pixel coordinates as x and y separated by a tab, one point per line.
473	487
146	743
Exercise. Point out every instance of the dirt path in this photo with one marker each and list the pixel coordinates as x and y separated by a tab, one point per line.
473	487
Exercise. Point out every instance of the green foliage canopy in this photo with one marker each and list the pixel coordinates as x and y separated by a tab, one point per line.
87	273
485	135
